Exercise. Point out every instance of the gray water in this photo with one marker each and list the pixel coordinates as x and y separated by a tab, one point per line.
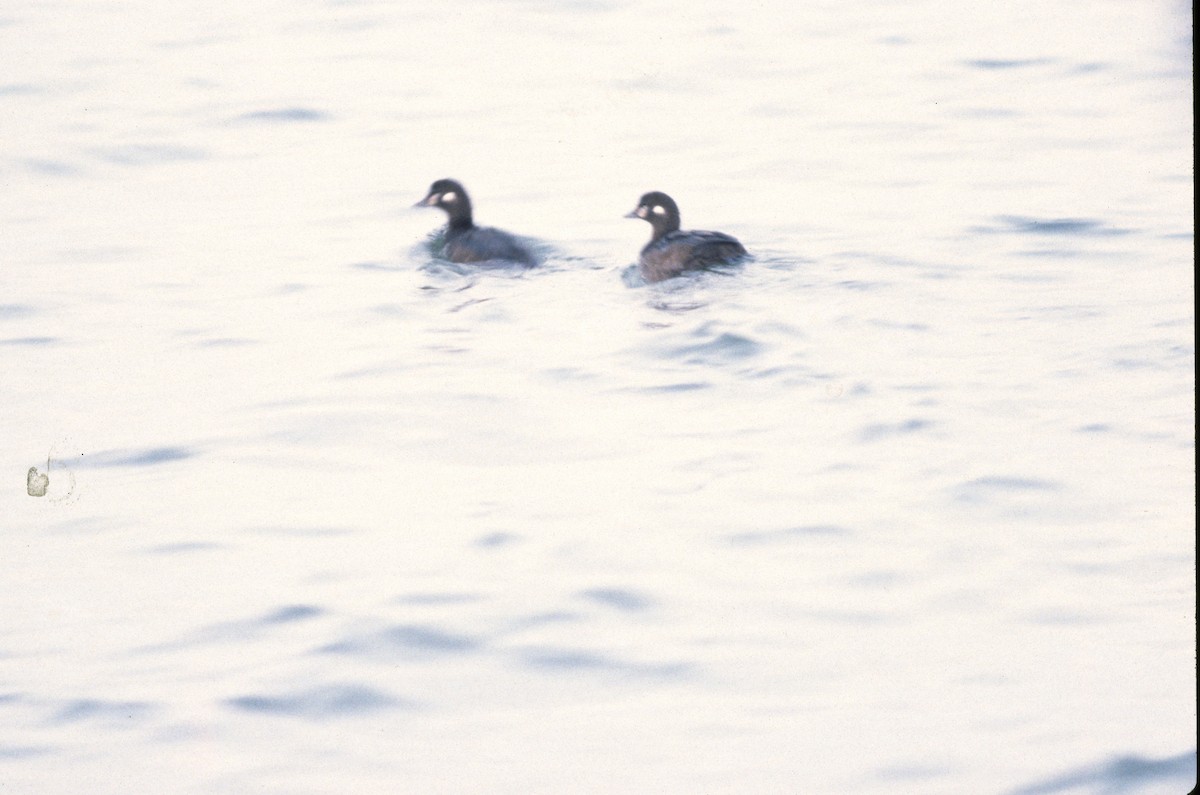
905	504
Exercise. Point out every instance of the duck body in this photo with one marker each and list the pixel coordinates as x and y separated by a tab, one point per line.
680	251
464	241
485	244
673	251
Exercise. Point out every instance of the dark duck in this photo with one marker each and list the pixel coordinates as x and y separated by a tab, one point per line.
466	242
671	251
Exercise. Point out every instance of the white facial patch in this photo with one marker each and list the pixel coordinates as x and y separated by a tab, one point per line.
449	196
641	211
660	210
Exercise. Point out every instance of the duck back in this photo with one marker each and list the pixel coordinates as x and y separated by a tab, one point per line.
679	251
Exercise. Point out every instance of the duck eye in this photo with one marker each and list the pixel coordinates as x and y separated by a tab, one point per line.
449	197
660	210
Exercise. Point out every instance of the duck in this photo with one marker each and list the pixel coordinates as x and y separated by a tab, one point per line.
672	251
465	242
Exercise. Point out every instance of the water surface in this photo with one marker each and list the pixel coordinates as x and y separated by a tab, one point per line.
905	504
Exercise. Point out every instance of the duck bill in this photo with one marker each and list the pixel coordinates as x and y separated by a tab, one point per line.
428	201
631	214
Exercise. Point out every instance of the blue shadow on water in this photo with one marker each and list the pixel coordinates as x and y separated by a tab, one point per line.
290	614
284	116
112	712
150	456
406	640
1095	427
1119	774
50	168
328	701
994	64
17	752
787	534
238	631
19	89
723	346
183	548
680	386
875	432
620	598
563	660
1067	227
32	341
438	598
979	488
493	540
542	619
10	311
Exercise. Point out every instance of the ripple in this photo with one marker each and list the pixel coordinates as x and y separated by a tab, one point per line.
284	116
11	311
678	386
290	614
715	347
408	640
149	154
329	701
545	618
1005	483
860	618
150	456
873	433
112	712
16	752
1073	227
581	661
993	64
1061	617
494	540
788	534
33	341
448	598
620	598
1095	427
1119	774
50	168
183	548
239	631
20	90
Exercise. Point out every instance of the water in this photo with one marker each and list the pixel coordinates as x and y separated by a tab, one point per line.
904	505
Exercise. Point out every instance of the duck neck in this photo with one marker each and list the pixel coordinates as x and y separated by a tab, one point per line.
661	228
460	215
